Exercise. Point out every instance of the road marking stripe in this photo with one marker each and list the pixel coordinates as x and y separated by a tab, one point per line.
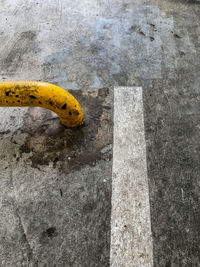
131	239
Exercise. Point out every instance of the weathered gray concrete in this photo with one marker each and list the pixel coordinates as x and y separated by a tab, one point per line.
172	113
131	238
51	188
55	187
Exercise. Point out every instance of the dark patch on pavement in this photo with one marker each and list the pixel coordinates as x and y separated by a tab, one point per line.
69	149
50	232
172	135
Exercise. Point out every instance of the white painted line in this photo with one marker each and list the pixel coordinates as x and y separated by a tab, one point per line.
131	239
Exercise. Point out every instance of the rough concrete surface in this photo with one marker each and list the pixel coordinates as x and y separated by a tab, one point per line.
56	199
55	187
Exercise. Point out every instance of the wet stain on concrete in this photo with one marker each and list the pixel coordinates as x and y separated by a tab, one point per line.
69	149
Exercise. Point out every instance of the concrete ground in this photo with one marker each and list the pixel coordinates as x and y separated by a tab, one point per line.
56	183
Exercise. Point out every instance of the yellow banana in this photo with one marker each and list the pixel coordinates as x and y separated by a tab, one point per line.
45	95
